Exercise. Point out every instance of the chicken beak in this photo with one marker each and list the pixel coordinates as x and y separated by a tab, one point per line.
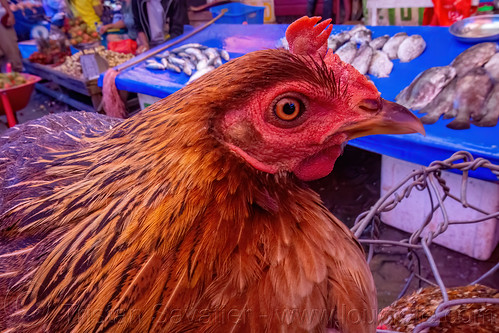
393	118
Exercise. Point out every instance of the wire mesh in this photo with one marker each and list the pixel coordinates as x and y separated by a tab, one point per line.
428	179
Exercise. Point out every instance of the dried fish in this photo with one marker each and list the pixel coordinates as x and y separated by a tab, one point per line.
471	92
391	47
378	42
411	48
492	67
363	58
475	56
381	65
335	41
347	52
425	87
491	109
440	105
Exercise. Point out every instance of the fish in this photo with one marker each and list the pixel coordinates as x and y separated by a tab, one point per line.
378	42
492	67
200	73
425	87
176	61
187	69
196	53
155	65
475	56
471	92
361	36
347	52
381	65
186	46
337	40
491	109
411	48
358	27
442	104
363	58
225	55
391	46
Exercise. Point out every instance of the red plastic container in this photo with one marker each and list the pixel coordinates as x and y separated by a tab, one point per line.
15	98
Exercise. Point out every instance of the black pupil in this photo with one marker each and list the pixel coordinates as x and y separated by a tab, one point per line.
289	108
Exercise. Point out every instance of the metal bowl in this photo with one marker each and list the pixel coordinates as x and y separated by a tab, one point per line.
483	28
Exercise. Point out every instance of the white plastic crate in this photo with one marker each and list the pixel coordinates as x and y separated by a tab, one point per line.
477	240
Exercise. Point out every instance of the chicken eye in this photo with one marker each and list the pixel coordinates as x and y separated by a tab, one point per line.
288	108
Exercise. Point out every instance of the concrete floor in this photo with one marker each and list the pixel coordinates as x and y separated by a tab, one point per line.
351	189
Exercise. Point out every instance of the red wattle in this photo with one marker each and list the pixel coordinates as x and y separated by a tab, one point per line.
319	165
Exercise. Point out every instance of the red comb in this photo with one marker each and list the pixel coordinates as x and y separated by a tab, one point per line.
307	37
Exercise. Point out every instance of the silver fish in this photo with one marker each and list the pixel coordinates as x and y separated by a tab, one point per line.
363	58
491	109
162	55
391	46
200	73
335	41
411	48
176	61
347	52
492	67
361	36
211	53
196	52
225	55
471	92
155	65
381	65
378	42
186	46
202	64
475	56
173	67
425	87
440	105
187	69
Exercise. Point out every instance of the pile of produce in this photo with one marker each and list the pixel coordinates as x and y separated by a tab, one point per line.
9	80
467	89
193	59
79	32
373	56
50	52
72	64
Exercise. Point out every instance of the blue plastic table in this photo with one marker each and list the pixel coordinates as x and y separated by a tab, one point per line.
440	142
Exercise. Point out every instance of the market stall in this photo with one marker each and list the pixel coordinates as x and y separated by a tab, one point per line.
439	143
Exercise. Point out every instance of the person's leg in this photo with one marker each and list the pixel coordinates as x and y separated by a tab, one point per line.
311	7
178	17
327	9
10	49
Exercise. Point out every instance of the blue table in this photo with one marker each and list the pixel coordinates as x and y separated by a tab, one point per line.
440	142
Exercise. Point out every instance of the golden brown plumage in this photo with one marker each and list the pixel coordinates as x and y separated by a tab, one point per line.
167	222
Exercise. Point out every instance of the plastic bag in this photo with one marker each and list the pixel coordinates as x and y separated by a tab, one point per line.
123	46
446	12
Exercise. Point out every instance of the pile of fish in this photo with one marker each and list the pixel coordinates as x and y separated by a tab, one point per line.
467	89
373	56
193	59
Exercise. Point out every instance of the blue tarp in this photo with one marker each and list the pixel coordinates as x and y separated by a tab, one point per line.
439	143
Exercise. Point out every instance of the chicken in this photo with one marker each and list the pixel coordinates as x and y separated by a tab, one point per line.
404	314
194	214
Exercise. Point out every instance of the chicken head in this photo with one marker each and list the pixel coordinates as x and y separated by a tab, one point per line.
304	106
